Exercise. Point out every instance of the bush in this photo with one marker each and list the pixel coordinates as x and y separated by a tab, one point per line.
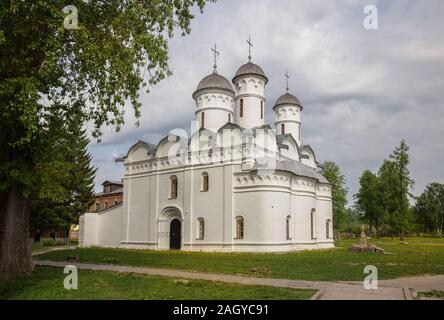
74	242
49	242
52	243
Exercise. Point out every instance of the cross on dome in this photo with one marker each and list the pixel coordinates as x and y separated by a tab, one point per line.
250	45
287	77
215	53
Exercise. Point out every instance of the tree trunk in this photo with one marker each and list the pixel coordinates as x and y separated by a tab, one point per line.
15	248
377	228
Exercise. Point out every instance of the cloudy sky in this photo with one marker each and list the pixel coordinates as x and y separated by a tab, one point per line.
362	90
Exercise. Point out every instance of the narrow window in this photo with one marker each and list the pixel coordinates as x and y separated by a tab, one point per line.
282	128
97	206
312	223
262	109
229	117
327	229
173	187
239	227
115	201
288	228
241	110
200	229
205	182
106	204
203	120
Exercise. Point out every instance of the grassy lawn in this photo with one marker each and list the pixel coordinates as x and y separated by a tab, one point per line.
413	257
47	283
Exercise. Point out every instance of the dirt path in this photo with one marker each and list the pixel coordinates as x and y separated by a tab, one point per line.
326	290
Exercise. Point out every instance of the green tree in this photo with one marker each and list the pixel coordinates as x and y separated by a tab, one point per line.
97	69
332	173
429	208
367	200
394	187
78	185
400	217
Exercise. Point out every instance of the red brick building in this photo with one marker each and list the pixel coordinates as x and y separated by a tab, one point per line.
112	195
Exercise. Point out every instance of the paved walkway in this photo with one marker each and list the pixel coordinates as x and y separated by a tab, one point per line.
326	290
49	249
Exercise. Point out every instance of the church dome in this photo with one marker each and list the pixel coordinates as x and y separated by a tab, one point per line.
287	98
250	68
214	81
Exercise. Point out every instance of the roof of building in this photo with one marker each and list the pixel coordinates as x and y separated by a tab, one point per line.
120	190
250	68
287	98
112	182
214	81
292	166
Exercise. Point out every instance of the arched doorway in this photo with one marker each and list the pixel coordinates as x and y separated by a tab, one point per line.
169	229
175	234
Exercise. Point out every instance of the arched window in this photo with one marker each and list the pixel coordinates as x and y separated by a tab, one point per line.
205	182
241	108
327	229
262	109
173	187
202	118
240	227
312	222
287	228
282	128
200	229
229	117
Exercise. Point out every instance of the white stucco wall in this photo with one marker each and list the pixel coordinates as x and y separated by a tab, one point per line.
250	89
103	228
290	116
217	107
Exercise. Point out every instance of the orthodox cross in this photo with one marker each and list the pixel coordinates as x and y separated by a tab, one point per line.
250	45
215	53
287	77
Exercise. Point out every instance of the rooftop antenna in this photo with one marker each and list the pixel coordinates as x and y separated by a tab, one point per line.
287	77
215	53
250	45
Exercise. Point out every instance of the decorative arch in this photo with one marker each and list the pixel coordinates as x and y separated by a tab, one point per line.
167	217
169	213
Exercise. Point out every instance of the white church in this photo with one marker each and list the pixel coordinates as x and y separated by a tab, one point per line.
236	184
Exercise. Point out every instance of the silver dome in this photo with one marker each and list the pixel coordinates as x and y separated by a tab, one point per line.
214	81
287	98
250	69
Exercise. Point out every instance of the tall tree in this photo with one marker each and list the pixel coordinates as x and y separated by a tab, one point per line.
395	186
332	173
429	208
78	181
386	178
367	199
96	65
401	216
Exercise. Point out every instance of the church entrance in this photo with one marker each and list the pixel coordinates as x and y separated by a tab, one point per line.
169	229
175	232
